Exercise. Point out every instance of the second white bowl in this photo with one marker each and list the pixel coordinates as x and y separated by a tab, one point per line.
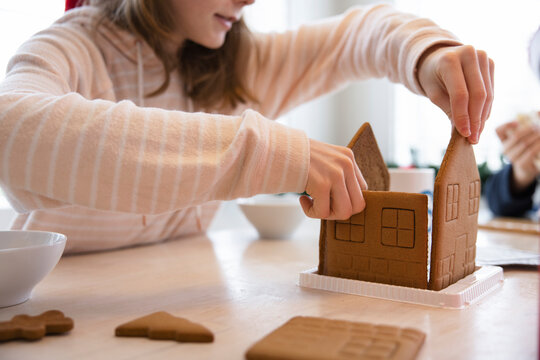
274	216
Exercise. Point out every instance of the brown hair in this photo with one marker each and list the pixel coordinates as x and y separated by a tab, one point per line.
210	76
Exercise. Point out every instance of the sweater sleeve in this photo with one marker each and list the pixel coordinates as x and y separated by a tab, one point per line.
290	68
501	200
62	145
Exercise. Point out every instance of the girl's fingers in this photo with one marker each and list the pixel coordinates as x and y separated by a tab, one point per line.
459	79
360	178
354	187
476	90
456	87
340	202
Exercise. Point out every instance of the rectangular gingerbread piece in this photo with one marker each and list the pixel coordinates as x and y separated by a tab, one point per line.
303	338
385	243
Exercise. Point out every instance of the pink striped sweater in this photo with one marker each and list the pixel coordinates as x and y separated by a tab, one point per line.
84	153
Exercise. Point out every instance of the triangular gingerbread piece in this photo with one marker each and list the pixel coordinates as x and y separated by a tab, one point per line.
369	159
164	326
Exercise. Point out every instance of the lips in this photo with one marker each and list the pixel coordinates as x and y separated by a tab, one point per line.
226	21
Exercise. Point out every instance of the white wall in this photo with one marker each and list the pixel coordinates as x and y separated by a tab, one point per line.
334	118
503	29
337	117
18	21
6	216
401	120
6	213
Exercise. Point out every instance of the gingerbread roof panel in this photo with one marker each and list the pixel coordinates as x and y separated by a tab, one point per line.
369	159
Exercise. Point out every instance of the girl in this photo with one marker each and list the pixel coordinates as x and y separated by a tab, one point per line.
126	120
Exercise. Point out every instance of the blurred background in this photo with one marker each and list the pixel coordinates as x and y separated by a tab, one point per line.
403	122
409	129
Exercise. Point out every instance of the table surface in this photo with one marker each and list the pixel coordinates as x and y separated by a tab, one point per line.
242	288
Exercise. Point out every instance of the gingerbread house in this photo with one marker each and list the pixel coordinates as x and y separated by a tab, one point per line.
388	241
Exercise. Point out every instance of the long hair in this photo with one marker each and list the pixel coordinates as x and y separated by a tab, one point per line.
210	76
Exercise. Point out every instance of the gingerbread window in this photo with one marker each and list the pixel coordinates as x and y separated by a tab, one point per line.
352	229
397	227
474	197
452	202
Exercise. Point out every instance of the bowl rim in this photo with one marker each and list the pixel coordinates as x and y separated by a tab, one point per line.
60	239
247	204
271	200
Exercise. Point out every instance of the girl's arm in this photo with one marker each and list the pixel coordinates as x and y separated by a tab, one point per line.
287	69
61	144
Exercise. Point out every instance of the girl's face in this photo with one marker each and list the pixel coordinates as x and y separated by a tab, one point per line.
206	22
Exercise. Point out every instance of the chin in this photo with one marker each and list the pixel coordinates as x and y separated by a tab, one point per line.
212	43
215	44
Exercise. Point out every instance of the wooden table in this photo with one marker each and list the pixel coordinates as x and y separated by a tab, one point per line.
242	288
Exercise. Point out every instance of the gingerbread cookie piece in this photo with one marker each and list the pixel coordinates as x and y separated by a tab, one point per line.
163	326
386	243
317	338
35	327
369	159
456	200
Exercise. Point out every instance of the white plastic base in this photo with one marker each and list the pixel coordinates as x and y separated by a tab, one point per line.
456	296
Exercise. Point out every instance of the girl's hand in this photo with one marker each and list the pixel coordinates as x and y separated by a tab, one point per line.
459	80
334	183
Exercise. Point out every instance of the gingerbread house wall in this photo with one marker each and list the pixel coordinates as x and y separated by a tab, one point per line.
455	215
386	243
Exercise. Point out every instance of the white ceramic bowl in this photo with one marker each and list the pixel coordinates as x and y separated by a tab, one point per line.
274	216
26	257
